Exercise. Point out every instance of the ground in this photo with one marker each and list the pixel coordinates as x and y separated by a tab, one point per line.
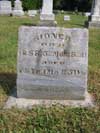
56	119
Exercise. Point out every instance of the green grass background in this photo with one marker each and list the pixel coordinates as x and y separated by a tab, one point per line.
55	119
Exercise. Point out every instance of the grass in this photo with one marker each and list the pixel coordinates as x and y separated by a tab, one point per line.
55	119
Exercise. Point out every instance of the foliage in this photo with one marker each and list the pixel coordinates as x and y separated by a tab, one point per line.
31	4
55	119
82	5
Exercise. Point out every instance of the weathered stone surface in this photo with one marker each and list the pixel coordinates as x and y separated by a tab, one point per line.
95	11
66	18
47	17
5	7
52	63
32	13
47	11
87	14
94	22
49	23
29	103
18	10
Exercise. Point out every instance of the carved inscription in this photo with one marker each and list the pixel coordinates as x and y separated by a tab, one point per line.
51	55
64	72
52	63
40	53
51	35
58	52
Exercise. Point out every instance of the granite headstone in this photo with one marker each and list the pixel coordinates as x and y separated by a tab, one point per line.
52	63
5	7
47	11
95	15
66	18
32	13
18	10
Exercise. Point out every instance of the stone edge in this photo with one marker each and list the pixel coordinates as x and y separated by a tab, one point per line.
29	103
92	24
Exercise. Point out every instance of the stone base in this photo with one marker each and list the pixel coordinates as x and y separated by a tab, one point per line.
44	17
95	18
18	10
47	23
5	8
29	103
32	13
18	13
7	12
93	24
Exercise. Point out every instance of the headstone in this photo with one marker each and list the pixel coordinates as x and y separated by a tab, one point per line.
52	63
66	18
62	11
47	10
96	11
18	10
47	18
32	13
87	14
95	17
5	7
